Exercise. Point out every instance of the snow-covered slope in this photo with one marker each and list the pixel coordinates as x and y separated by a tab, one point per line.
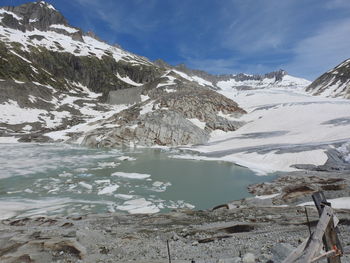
333	83
284	128
57	35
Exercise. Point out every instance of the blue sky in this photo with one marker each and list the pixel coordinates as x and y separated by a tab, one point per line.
304	37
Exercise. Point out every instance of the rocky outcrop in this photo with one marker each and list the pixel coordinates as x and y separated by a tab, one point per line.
161	127
333	83
296	187
176	114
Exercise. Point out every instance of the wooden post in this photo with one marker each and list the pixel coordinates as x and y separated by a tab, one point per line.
315	241
330	239
168	248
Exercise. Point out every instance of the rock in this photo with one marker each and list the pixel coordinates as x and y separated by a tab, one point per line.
195	243
249	258
70	247
280	251
230	260
160	128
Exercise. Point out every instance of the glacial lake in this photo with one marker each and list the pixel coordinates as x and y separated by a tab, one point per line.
60	179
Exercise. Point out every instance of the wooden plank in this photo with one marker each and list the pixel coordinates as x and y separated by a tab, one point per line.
330	238
314	246
320	201
297	252
325	255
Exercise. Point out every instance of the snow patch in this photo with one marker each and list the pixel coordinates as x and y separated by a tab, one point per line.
63	27
198	123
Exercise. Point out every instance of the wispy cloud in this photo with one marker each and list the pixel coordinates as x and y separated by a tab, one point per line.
255	25
131	17
321	51
255	36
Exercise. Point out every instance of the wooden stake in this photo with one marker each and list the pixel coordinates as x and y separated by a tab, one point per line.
167	244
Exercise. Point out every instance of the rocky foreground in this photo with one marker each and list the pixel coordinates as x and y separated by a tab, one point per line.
251	230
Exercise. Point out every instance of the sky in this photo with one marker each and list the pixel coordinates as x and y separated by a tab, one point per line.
303	37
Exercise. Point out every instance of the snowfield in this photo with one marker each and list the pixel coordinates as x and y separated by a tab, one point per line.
285	126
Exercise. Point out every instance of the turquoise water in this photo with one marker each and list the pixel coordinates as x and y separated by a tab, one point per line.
47	179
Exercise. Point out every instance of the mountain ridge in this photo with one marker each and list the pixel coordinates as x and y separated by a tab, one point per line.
333	83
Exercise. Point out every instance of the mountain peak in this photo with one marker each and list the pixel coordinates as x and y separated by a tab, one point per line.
39	14
46	5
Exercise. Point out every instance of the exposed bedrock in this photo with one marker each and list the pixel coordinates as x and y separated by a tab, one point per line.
187	115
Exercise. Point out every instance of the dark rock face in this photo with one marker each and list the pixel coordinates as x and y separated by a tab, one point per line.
98	75
334	83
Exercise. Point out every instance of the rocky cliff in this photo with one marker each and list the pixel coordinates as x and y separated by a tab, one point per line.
333	83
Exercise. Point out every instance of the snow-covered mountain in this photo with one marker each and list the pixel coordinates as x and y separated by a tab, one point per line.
54	77
59	83
333	83
276	79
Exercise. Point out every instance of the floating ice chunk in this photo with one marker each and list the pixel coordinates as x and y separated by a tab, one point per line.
65	174
139	206
103	181
123	196
157	184
85	185
131	175
160	186
84	175
108	164
108	190
126	158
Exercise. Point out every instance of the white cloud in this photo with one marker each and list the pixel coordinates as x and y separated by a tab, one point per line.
322	51
124	17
